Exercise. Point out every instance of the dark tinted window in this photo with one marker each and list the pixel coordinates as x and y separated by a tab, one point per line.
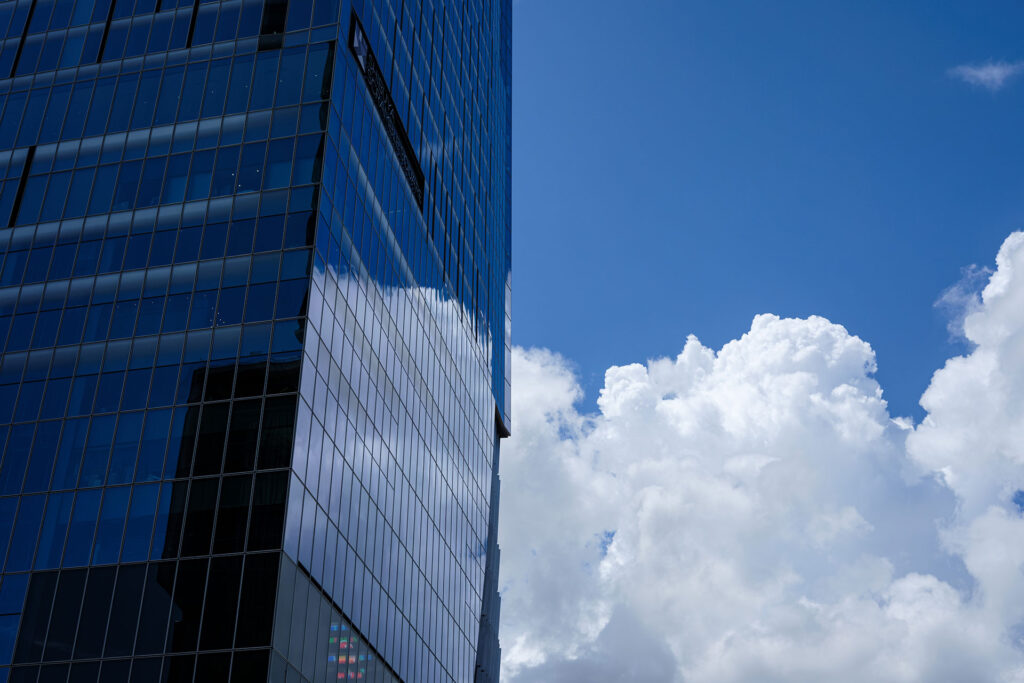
221	602
84	672
95	609
242	437
250	666
232	514
256	607
202	501
210	444
213	668
276	434
268	511
188	605
125	610
64	622
35	617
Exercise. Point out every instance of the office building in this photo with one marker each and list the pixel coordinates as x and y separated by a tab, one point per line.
254	308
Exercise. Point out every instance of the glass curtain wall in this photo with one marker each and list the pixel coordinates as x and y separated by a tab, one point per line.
253	314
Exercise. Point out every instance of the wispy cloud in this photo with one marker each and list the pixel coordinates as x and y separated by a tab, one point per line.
990	75
963	298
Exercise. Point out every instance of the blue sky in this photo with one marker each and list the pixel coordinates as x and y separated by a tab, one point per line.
752	511
679	167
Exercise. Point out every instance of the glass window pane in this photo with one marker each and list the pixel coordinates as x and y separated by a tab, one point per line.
221	602
124	610
139	527
26	532
83	526
64	620
41	589
199	518
268	510
188	605
156	608
111	525
232	515
276	434
95	609
259	587
210	444
54	531
242	438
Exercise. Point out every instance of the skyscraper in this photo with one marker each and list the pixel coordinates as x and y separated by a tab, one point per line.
254	307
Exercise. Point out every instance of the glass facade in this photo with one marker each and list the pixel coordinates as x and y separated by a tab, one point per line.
254	315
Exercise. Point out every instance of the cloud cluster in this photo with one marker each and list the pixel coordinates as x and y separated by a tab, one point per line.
990	75
756	513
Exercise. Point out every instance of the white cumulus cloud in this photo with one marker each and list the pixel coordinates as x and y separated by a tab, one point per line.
990	75
756	514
